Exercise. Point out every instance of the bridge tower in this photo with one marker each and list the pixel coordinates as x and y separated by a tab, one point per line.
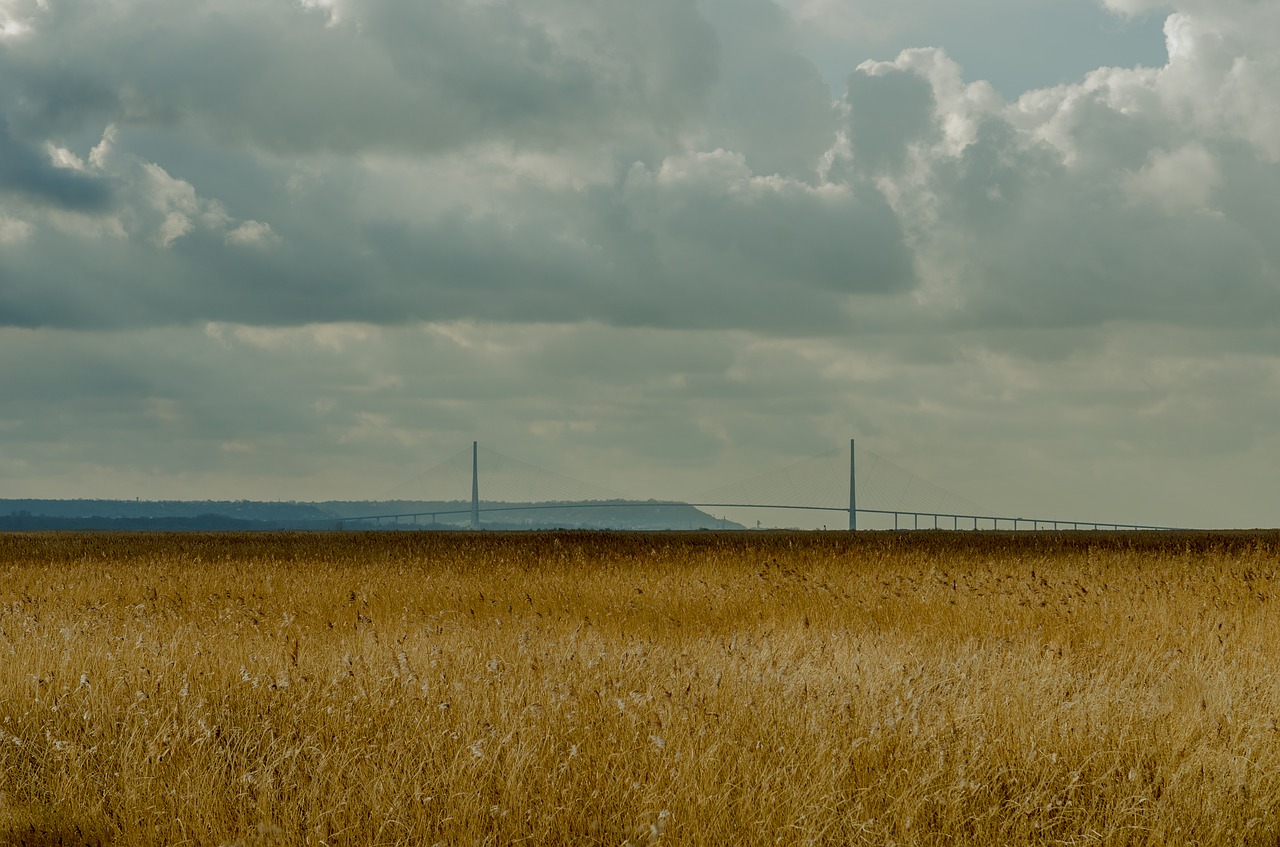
475	485
853	490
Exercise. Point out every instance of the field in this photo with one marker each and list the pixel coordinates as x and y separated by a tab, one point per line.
601	689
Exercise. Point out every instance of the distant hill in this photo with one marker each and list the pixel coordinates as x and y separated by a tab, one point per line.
243	509
348	514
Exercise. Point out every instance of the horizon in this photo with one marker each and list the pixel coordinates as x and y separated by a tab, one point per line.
799	496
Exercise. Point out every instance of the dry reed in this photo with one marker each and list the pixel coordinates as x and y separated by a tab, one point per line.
683	689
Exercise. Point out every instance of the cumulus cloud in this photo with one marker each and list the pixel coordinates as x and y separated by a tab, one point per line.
1178	181
1115	198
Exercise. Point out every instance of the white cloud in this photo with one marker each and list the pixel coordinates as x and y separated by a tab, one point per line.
1221	72
959	106
838	17
1178	181
13	230
101	152
17	16
330	338
83	229
64	158
252	234
330	8
1130	8
174	226
175	201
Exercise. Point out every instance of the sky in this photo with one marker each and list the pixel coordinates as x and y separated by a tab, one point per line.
307	249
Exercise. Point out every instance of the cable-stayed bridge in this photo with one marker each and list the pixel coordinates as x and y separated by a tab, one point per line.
478	487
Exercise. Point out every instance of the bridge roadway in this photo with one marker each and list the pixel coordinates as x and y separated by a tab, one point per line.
1014	523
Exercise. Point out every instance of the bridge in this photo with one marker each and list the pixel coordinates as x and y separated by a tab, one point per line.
877	491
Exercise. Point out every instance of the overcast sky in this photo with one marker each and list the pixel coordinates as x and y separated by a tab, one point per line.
306	249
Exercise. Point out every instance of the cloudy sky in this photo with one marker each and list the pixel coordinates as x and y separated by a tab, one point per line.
306	249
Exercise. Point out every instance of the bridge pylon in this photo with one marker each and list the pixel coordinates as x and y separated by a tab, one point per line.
853	489
475	485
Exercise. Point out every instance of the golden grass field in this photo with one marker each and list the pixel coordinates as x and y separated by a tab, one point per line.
600	689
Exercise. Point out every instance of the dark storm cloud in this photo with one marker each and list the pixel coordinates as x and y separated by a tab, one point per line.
416	76
710	217
663	164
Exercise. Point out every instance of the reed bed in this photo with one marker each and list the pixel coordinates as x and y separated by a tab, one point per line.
640	689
